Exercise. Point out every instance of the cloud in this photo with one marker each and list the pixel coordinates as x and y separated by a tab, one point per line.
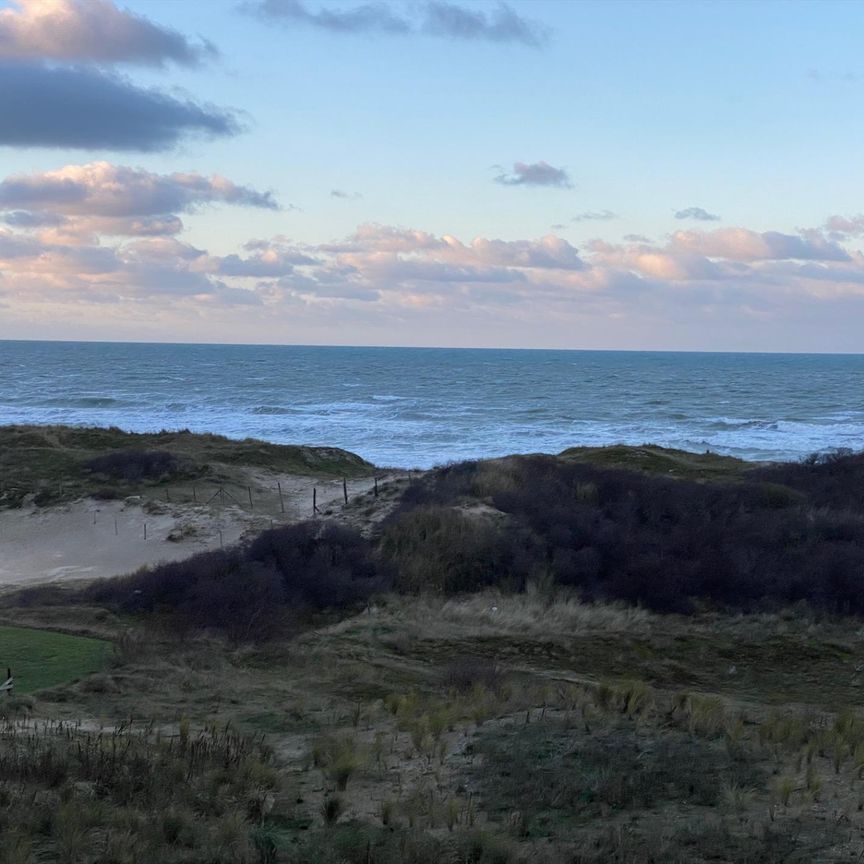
594	215
433	18
842	227
847	77
535	174
500	25
349	196
269	259
365	18
29	219
91	31
80	108
402	278
741	244
696	213
112	199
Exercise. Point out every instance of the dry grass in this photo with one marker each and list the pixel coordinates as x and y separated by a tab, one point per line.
428	711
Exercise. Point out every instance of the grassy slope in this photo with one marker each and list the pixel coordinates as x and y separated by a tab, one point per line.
661	460
49	460
606	766
40	658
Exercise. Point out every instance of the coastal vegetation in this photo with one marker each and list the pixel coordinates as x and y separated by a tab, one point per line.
767	538
54	464
612	655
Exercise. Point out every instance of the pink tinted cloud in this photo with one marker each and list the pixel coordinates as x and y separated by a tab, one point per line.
93	31
741	244
104	198
383	272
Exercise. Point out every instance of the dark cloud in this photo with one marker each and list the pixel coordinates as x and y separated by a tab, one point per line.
433	18
696	213
80	108
535	174
500	25
365	18
94	31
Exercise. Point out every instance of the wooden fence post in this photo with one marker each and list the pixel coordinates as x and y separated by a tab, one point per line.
345	489
251	505
376	487
281	499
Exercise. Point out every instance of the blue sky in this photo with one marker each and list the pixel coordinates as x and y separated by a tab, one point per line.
743	114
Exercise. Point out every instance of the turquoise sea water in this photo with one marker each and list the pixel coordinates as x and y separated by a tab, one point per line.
420	407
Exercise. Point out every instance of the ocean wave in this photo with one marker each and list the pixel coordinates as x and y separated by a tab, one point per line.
420	408
272	410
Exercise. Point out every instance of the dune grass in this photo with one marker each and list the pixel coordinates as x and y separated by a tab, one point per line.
42	658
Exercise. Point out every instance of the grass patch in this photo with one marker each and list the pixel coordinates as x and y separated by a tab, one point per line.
42	658
562	775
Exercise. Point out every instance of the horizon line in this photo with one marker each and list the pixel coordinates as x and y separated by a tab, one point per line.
433	347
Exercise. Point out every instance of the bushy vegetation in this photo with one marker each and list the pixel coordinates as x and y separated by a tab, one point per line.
136	465
781	535
439	549
249	593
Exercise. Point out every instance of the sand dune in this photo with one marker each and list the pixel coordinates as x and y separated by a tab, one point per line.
89	539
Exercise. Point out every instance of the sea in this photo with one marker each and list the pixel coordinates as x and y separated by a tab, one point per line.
419	407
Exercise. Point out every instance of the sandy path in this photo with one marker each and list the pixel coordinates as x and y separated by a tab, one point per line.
91	539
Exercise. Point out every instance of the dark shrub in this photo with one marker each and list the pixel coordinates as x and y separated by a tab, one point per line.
786	533
136	465
445	550
466	673
322	566
247	593
106	493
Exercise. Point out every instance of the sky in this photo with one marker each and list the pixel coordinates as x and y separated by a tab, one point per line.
531	174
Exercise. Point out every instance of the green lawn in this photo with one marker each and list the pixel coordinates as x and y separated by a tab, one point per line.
42	658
